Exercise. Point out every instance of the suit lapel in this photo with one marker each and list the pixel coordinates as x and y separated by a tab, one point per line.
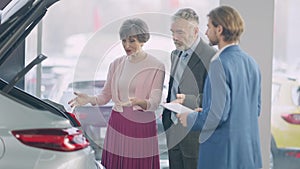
174	59
199	55
175	62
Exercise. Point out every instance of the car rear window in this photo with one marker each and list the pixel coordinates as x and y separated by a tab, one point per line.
29	100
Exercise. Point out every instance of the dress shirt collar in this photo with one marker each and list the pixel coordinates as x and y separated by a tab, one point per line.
187	53
190	50
216	56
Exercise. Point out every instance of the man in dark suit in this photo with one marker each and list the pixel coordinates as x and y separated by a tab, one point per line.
189	64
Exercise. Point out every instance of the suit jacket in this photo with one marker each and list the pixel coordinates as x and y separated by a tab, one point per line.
190	84
229	136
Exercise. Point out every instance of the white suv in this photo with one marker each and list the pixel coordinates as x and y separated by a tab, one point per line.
35	133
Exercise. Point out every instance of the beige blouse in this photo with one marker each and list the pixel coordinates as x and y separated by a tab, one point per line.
143	80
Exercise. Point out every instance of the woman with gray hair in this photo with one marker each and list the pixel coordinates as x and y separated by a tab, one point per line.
134	83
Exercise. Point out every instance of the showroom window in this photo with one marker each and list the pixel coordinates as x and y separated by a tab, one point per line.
285	114
68	27
80	39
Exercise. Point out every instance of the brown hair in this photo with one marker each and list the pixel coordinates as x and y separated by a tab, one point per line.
230	20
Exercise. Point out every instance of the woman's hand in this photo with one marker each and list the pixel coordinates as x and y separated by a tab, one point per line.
138	102
80	99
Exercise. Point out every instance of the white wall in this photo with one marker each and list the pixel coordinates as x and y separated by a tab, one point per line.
257	40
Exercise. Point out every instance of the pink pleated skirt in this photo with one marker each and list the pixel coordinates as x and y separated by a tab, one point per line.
131	141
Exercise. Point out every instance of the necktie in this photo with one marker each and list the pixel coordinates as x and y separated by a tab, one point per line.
184	55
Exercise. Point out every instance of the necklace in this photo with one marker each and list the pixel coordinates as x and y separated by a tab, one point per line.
135	58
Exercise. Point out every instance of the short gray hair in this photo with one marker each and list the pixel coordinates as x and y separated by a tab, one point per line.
187	14
135	27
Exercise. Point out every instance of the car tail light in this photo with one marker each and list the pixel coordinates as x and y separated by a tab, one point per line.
293	154
291	118
70	139
73	117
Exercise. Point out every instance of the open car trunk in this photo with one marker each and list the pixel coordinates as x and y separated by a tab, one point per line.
17	20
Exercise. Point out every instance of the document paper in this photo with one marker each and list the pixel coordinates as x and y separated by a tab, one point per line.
177	108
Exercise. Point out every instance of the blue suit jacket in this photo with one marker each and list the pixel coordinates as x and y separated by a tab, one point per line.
229	121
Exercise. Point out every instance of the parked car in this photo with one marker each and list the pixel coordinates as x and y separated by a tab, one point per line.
35	133
39	135
94	119
285	117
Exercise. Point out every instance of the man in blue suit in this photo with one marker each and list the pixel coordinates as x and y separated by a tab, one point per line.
228	122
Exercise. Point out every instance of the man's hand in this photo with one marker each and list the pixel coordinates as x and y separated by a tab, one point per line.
199	109
182	117
179	98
